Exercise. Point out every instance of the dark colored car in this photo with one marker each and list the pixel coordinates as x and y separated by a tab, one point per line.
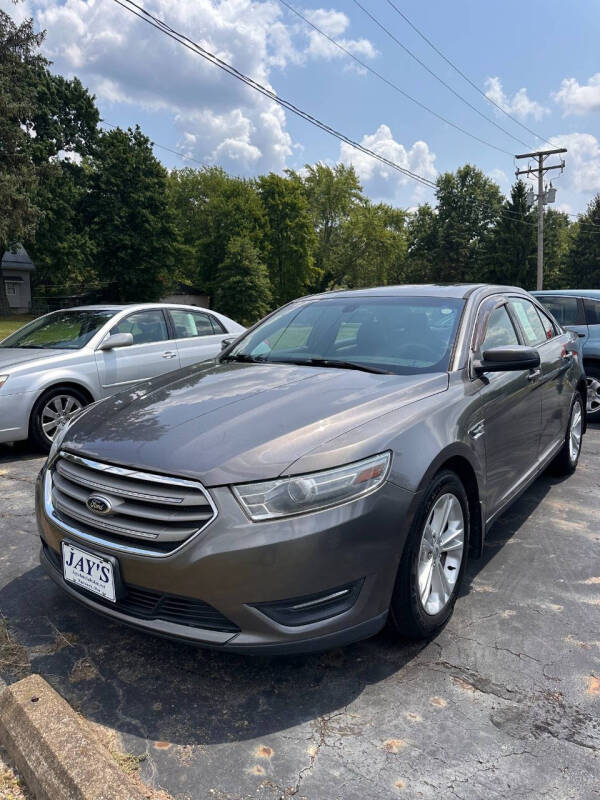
332	469
578	310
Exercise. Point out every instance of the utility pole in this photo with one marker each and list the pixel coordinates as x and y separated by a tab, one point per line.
540	170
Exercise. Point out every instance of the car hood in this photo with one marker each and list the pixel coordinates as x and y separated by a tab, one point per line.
15	356
230	423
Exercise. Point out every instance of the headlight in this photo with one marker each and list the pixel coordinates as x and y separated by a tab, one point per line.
3	379
302	493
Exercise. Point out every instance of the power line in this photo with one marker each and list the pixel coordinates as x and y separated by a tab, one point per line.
466	77
395	85
184	156
146	16
433	73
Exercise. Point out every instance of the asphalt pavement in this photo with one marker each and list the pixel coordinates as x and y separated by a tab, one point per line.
504	703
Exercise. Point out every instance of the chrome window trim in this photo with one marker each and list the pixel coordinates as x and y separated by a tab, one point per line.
126	548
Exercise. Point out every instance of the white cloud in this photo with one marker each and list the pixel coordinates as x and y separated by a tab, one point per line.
521	105
334	24
219	120
577	99
582	173
383	182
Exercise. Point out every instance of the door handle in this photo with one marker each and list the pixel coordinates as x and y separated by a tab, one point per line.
169	354
534	374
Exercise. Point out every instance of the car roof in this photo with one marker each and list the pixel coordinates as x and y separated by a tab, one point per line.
456	290
592	293
134	306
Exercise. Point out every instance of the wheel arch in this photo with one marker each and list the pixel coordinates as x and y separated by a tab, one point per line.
459	459
58	384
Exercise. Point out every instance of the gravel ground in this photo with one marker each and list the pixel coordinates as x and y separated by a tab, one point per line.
504	703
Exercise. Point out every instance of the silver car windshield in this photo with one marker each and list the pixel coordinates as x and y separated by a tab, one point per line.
61	330
400	335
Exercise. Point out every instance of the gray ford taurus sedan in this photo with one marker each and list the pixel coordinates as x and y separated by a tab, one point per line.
331	470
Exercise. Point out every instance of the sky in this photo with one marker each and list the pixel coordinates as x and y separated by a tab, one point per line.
539	61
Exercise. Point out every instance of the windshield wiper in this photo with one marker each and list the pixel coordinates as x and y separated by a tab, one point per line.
327	362
245	358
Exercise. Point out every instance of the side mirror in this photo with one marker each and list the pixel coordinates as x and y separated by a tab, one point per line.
508	359
117	340
227	341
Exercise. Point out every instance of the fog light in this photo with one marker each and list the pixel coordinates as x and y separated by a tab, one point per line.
312	607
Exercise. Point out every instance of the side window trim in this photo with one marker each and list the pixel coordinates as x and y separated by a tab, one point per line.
205	312
482	323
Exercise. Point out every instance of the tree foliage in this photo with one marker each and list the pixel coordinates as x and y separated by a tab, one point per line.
289	237
511	248
244	289
584	258
129	217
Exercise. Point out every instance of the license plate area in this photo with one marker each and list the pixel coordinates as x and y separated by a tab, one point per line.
94	573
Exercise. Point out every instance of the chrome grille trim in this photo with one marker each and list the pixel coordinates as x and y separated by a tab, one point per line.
162	520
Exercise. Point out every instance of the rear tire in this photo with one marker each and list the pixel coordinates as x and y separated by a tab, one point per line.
429	576
592	373
54	404
566	461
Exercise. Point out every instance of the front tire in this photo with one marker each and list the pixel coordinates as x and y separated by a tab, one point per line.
566	461
51	409
433	562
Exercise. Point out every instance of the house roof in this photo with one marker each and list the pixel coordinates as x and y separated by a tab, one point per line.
18	260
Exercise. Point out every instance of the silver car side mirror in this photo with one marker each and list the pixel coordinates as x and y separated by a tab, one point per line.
117	340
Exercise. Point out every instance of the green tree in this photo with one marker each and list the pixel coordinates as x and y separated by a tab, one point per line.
558	240
584	257
209	209
422	245
372	246
332	193
468	208
244	291
511	249
66	126
128	214
289	238
19	57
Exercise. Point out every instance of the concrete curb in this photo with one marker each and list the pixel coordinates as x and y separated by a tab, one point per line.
55	752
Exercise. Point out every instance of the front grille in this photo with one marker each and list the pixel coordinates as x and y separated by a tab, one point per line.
148	604
158	511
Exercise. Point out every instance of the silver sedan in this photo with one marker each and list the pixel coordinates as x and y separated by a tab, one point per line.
66	359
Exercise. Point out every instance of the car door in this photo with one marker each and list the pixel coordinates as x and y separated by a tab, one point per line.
152	352
198	335
511	411
555	361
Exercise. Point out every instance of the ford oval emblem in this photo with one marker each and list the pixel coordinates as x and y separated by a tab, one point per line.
98	504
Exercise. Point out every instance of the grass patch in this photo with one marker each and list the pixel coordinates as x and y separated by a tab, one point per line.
13	323
14	663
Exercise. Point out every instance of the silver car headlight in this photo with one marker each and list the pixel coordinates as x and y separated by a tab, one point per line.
302	493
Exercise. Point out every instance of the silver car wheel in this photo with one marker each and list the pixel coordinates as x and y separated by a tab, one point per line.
575	431
441	553
56	411
593	395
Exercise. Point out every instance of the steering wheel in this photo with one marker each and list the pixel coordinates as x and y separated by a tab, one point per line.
419	352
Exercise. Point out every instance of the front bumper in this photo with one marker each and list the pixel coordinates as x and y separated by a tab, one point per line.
14	416
235	565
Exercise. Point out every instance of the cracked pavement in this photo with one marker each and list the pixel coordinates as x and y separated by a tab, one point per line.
503	703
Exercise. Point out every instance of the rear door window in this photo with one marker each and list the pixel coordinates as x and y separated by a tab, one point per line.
529	321
592	311
189	324
564	309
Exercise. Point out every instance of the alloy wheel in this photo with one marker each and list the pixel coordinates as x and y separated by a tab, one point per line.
56	411
593	395
575	429
441	553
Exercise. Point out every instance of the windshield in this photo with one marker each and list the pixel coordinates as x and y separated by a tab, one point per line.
63	330
401	335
